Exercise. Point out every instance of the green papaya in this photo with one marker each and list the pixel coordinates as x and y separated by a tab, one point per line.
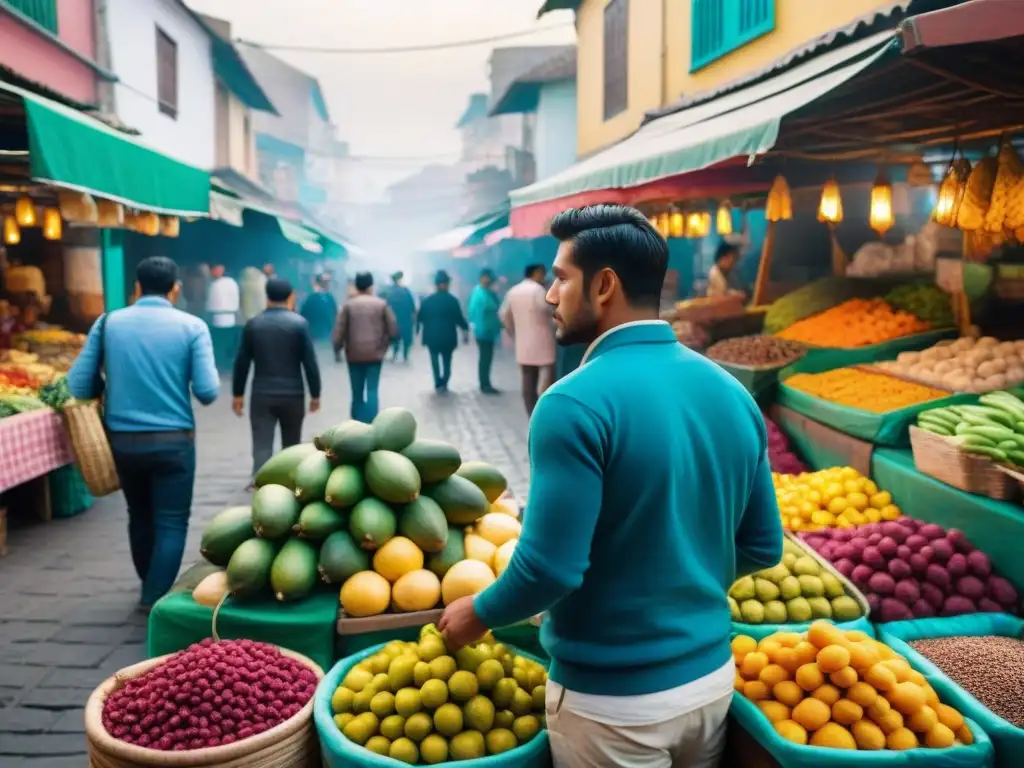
345	487
275	510
280	468
350	442
394	429
454	551
372	523
323	440
435	460
461	501
311	477
486	477
341	558
293	573
224	533
423	522
318	520
392	477
248	570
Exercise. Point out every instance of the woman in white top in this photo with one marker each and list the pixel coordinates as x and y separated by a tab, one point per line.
718	277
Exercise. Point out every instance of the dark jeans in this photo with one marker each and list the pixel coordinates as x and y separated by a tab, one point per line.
265	413
536	378
157	472
441	364
403	342
485	362
365	380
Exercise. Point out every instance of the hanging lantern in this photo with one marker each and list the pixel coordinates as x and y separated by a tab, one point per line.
881	217
677	224
693	225
170	226
663	224
12	232
723	219
653	220
830	209
25	212
53	226
77	207
705	224
779	206
951	192
147	223
110	215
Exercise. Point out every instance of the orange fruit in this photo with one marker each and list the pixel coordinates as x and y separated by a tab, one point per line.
949	717
862	656
809	677
788	659
964	735
832	658
868	735
863	694
805	653
755	690
822	634
856	636
844	678
787	639
900	739
939	737
775	711
878	707
834	736
772	675
923	720
788	692
889	721
769	647
931	698
907	698
827	693
739	682
752	665
900	668
791	731
847	712
880	677
741	646
812	714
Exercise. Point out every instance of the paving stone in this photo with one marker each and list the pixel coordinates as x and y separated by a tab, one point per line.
50	762
110	635
66	655
23	720
56	699
20	676
71	721
71	678
42	745
123	657
27	631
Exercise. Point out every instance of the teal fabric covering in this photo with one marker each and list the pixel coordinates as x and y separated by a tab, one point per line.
819	359
995	527
1007	739
756	382
761	631
339	752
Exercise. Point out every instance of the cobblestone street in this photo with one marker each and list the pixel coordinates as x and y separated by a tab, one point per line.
68	591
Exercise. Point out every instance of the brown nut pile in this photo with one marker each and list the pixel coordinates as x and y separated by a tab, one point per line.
990	668
761	350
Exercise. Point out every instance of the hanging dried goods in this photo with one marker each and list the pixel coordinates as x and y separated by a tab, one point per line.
977	195
1009	172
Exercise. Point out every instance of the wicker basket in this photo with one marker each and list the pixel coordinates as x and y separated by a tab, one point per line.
937	457
292	744
92	448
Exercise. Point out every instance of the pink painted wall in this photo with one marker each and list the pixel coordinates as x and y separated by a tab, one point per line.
35	56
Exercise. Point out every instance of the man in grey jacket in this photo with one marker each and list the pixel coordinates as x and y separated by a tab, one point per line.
365	329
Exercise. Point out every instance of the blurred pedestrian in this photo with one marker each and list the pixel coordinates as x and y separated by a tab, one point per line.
483	309
254	293
402	303
366	328
720	274
224	303
278	344
320	308
147	361
440	317
527	317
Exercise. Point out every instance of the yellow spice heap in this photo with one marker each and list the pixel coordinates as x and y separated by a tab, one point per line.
865	391
838	497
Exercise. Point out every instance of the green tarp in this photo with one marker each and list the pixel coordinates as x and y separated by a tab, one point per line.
995	527
70	149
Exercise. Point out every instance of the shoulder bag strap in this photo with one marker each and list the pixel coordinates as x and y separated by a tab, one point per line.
100	382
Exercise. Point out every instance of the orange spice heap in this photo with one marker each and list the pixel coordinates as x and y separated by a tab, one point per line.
855	323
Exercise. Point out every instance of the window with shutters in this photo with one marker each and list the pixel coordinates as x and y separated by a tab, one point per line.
616	57
718	27
42	12
166	73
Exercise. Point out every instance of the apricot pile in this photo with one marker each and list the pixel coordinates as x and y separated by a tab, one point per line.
844	690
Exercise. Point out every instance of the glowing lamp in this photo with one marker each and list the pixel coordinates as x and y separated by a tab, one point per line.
25	212
53	227
830	209
881	217
12	232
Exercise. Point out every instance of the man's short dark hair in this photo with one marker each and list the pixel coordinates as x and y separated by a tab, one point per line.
531	268
278	290
621	239
363	281
726	249
157	275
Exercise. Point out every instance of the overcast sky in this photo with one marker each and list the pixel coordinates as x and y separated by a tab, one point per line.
396	104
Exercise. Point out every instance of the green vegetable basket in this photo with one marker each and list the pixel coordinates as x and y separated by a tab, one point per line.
1007	738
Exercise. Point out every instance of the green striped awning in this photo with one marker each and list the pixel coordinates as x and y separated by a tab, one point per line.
299	235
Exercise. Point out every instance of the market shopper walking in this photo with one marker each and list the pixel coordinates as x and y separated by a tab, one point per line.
146	360
223	304
483	317
278	344
402	303
320	309
650	493
440	318
365	329
527	316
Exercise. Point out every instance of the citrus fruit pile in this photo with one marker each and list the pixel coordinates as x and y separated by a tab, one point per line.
419	704
838	497
844	690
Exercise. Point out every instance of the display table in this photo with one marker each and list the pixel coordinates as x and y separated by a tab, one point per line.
819	446
32	445
995	527
306	627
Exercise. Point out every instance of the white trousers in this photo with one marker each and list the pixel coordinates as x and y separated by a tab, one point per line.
693	740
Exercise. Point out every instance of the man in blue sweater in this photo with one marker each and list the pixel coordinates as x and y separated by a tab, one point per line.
650	494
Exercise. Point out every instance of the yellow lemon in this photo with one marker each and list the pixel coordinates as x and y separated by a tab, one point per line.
891	512
838	505
881	500
857	500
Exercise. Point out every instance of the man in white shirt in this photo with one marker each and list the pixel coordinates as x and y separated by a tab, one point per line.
223	304
527	317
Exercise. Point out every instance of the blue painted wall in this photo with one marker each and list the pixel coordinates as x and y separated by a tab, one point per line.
555	140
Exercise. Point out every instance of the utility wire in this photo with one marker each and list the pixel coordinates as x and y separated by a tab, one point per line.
406	48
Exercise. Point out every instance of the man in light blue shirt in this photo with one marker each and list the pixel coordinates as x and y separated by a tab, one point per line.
147	361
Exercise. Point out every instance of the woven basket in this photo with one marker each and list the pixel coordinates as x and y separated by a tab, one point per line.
292	744
92	448
937	457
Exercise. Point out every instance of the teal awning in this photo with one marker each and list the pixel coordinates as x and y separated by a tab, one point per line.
467	235
69	149
299	235
743	123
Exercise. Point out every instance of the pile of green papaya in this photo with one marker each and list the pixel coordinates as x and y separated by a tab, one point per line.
993	428
321	509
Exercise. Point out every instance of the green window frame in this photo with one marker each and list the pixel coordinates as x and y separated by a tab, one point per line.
42	12
718	27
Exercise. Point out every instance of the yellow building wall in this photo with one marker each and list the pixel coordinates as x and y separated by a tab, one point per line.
659	47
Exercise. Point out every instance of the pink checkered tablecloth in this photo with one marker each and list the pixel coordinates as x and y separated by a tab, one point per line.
32	445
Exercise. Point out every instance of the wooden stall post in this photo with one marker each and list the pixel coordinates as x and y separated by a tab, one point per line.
764	268
839	259
949	276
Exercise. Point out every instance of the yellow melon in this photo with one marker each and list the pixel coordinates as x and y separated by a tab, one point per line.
396	558
479	548
504	555
416	591
506	505
211	590
498	528
366	593
466	577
